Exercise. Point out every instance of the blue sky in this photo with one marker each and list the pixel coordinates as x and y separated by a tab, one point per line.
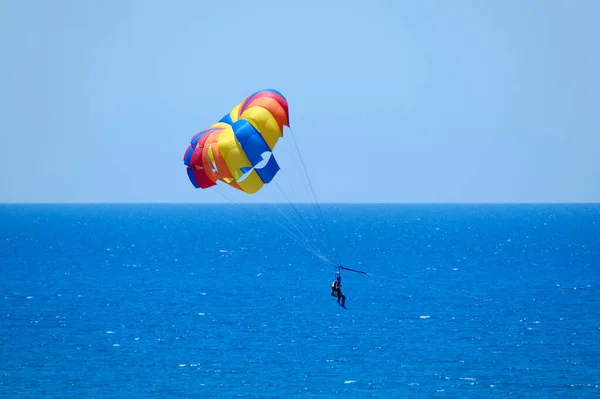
390	101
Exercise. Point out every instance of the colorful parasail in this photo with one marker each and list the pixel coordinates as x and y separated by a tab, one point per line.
237	150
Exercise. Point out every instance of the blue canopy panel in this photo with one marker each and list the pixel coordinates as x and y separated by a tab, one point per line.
258	152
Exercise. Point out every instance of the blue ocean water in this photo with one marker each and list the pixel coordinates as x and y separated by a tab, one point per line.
201	301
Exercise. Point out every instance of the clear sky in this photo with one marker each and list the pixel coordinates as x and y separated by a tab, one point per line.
390	101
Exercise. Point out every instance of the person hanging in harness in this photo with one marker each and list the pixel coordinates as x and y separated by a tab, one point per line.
336	290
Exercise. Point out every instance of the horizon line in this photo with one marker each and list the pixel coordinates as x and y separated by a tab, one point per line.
306	203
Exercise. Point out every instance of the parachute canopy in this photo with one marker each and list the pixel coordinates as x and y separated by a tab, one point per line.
237	150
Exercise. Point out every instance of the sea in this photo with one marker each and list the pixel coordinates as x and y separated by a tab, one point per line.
234	301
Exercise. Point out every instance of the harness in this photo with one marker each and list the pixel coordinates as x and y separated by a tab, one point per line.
334	291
